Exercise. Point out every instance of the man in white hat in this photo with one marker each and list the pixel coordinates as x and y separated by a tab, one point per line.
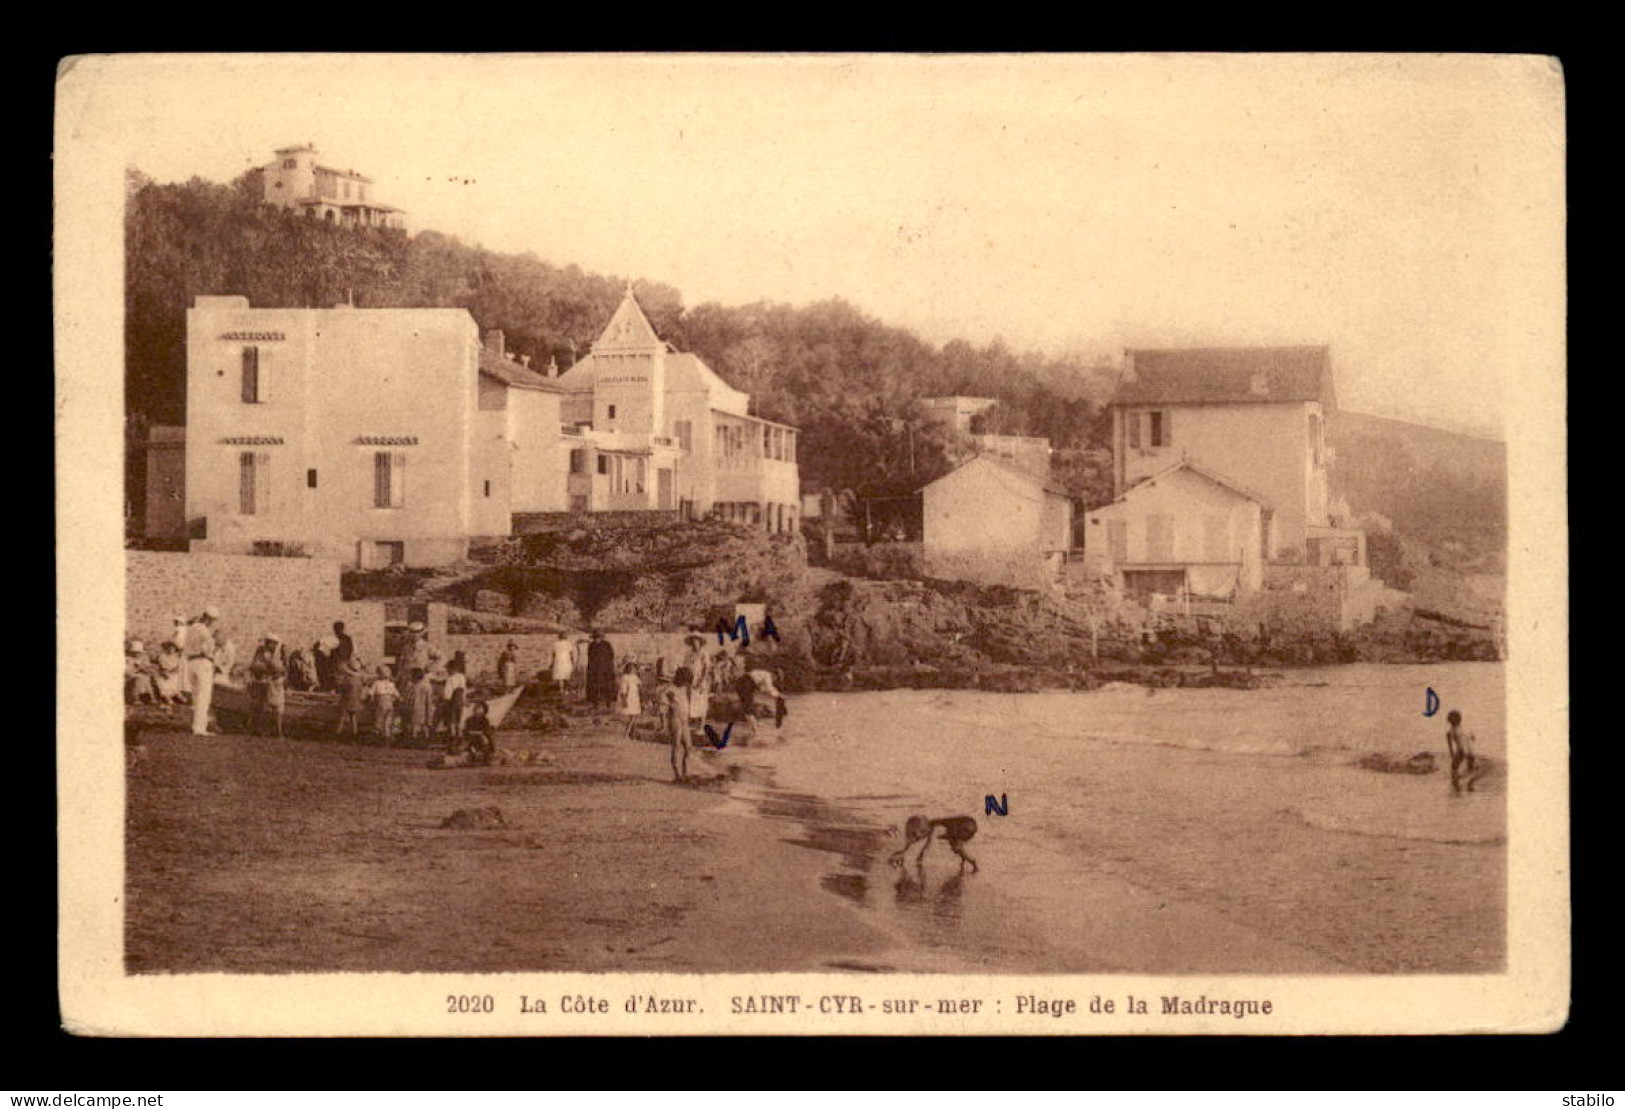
200	655
414	653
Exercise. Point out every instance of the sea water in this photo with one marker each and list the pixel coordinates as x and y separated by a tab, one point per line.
1101	790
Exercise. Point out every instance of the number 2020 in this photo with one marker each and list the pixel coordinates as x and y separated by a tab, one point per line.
470	1003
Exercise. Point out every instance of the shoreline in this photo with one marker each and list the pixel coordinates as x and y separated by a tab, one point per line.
278	856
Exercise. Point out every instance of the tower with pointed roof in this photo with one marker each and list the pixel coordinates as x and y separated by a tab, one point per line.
629	381
654	427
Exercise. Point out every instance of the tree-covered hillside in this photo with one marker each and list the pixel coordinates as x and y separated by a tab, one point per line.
849	381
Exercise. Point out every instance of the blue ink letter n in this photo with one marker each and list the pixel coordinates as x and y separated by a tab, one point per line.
999	805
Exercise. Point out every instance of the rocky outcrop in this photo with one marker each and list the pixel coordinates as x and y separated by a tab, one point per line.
624	574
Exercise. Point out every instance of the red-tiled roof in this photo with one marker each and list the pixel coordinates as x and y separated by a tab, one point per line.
509	372
1228	375
1201	471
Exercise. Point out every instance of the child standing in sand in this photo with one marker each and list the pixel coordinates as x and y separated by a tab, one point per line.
420	705
1463	753
383	696
630	703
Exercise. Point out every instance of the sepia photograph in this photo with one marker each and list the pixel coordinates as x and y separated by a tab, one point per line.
803	543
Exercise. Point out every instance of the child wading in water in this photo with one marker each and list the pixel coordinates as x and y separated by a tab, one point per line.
1462	753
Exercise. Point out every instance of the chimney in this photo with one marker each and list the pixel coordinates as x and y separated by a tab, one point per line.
552	367
493	343
524	360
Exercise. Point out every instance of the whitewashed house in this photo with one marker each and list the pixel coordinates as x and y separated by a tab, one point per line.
986	520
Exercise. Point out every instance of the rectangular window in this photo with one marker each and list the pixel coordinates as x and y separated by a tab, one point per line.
612	411
389	479
247	484
685	434
578	461
289	163
603	464
253	385
1133	419
310	479
642	475
1156	429
487	488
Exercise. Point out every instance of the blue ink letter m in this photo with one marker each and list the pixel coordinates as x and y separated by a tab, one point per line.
997	805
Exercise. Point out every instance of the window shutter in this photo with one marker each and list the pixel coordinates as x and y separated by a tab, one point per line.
1133	429
251	375
397	481
262	360
1159	538
380	479
1117	531
245	483
1168	428
262	483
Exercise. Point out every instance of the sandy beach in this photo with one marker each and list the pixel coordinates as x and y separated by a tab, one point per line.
262	856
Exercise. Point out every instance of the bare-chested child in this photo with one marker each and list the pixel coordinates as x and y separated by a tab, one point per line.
1464	763
672	703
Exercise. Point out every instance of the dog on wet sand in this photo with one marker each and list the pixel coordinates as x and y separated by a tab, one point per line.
957	830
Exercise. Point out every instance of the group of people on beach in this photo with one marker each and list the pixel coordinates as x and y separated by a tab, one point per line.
673	695
183	668
426	697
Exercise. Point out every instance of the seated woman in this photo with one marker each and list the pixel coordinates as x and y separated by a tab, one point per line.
169	677
477	745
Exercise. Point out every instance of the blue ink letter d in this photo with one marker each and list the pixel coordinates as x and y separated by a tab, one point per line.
1432	703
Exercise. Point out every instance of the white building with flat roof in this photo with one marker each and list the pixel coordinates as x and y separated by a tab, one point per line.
653	427
378	436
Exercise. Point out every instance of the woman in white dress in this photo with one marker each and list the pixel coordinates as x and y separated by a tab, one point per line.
564	662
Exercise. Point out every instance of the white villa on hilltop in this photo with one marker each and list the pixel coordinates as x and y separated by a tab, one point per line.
296	179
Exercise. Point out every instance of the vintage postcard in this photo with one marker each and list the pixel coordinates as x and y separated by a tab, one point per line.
800	545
